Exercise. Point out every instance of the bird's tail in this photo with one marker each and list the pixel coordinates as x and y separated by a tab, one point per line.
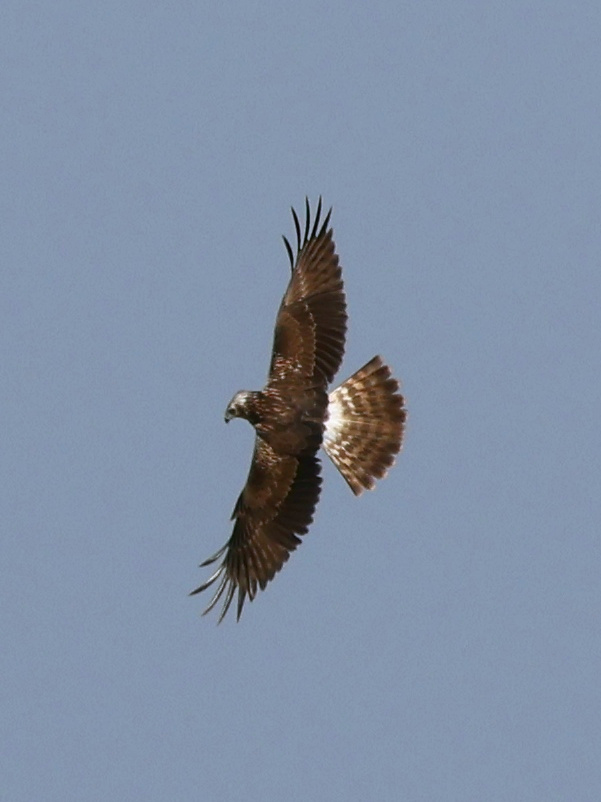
364	430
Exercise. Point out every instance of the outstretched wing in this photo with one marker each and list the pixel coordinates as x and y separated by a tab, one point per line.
310	327
274	508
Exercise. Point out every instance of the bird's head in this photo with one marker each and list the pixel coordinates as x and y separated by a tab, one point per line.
239	406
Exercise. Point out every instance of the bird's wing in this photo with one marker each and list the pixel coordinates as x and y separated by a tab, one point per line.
310	327
274	508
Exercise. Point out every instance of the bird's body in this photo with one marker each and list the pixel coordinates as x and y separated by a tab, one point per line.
291	422
359	424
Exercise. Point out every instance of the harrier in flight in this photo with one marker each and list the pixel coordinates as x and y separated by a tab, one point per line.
359	424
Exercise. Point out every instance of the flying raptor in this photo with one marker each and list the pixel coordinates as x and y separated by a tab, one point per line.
359	424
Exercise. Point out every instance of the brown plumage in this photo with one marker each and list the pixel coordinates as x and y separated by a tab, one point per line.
365	425
360	424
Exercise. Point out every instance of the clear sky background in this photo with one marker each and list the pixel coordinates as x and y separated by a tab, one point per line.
438	639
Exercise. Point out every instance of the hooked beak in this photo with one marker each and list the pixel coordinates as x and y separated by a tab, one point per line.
228	416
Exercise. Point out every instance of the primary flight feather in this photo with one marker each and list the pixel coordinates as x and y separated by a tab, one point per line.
359	424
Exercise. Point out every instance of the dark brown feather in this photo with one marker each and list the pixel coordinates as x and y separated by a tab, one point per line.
310	327
275	508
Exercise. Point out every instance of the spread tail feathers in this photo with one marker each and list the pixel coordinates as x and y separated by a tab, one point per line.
365	425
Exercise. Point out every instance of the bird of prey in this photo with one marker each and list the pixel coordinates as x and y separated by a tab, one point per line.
359	424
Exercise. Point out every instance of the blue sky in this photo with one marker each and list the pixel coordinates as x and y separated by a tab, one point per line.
438	639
